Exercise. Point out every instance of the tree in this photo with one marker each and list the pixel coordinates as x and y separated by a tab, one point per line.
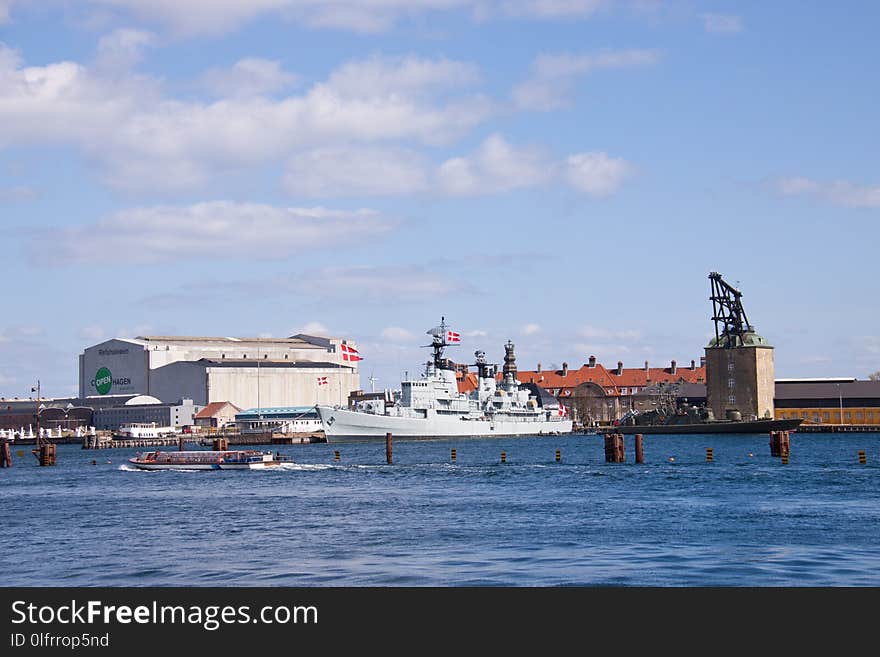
875	376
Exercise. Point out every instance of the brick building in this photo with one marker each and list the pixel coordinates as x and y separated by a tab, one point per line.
597	394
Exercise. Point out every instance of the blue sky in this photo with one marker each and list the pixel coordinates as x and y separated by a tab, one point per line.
562	173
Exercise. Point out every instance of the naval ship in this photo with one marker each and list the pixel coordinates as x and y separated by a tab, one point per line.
432	406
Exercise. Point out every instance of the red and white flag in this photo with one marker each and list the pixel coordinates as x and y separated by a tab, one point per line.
452	336
322	381
350	353
563	411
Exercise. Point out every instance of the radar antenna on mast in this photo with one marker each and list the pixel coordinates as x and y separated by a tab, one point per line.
442	338
731	323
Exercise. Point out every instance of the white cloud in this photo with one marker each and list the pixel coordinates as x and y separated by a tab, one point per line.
475	334
214	17
122	49
538	9
552	83
5	6
409	75
251	76
216	228
397	335
196	16
370	283
365	171
531	329
141	140
722	23
312	328
497	166
596	173
93	332
839	192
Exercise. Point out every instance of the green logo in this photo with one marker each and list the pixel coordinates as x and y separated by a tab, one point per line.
103	381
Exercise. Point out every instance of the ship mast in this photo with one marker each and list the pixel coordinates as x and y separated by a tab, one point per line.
439	335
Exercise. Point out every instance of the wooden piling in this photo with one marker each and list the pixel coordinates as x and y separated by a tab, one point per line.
863	458
710	455
640	452
504	457
614	448
775	441
47	454
220	444
5	455
336	455
180	446
388	450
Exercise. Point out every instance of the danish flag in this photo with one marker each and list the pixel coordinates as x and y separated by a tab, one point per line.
452	336
563	411
350	353
322	380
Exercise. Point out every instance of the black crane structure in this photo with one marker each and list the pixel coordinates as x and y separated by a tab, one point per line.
731	323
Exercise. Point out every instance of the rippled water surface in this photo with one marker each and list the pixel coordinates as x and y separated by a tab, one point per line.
744	520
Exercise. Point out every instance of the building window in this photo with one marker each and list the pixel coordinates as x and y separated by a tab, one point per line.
847	415
730	367
731	383
858	415
731	399
826	415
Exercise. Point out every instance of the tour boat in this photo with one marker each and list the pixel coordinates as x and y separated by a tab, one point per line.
208	460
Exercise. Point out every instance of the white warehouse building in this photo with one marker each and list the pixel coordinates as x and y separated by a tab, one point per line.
249	372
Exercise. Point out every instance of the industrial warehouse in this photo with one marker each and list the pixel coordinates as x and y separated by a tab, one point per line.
247	372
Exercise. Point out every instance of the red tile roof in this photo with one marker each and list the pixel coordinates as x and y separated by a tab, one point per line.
213	409
609	379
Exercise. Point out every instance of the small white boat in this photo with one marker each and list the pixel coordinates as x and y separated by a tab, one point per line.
208	460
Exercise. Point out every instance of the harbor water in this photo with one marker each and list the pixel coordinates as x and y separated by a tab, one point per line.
744	519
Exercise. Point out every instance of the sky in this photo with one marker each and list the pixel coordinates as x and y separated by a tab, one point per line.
560	173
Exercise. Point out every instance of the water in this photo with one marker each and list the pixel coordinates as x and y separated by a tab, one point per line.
424	521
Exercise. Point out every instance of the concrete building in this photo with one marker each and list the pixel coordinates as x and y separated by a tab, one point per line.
247	372
739	377
145	410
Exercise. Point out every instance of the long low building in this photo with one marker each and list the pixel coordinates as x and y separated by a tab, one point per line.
828	401
247	372
147	410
